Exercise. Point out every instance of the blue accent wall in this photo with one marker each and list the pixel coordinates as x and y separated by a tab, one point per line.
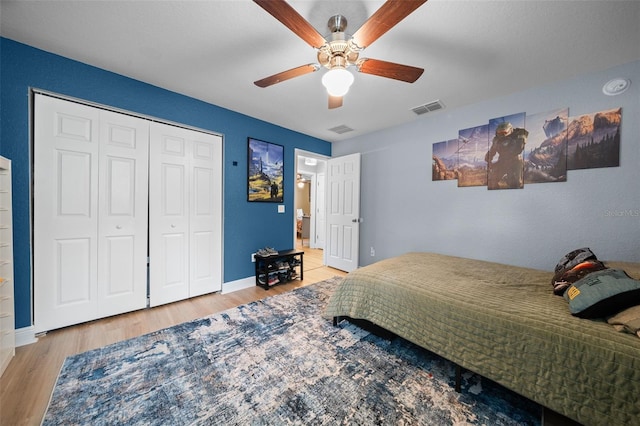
247	226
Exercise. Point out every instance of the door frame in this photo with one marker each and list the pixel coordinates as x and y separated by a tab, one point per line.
307	154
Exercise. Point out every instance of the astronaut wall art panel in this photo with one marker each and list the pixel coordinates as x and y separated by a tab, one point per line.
504	159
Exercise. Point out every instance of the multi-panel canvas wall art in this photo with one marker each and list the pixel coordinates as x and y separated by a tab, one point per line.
515	150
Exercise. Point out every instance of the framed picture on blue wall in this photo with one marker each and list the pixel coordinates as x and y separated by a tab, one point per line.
265	171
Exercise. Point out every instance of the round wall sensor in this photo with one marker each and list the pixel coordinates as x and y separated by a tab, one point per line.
616	86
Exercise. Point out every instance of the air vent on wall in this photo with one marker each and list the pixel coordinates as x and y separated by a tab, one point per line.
430	107
341	129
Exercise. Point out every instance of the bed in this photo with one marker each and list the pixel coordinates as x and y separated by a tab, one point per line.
504	323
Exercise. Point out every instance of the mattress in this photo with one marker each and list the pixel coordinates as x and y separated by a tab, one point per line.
504	323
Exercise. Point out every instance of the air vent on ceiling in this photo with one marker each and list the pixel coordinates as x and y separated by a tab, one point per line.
430	107
341	129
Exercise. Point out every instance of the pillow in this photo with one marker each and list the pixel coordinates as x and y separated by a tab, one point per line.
631	268
602	293
627	320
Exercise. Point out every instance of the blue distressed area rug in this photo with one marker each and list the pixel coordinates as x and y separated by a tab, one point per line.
275	361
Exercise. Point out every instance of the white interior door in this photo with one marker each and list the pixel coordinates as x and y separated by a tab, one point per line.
87	173
185	214
343	212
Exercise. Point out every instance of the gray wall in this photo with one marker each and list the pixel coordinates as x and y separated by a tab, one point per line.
403	210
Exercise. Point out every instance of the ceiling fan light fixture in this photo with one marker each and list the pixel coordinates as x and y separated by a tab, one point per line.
337	81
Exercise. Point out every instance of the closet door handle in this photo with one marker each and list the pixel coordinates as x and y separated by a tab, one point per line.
118	226
173	226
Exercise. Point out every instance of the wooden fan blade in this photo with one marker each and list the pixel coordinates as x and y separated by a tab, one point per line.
283	12
286	75
335	102
389	70
385	18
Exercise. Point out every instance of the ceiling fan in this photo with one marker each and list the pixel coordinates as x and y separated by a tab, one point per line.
338	53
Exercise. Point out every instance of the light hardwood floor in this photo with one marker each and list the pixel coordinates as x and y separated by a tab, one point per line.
26	385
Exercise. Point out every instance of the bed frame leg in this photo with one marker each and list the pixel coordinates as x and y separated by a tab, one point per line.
336	321
458	378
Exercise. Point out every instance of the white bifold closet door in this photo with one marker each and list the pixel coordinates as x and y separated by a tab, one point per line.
90	213
185	213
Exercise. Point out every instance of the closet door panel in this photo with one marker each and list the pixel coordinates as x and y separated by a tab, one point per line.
202	244
168	215
205	214
73	269
174	263
173	224
185	202
203	272
173	196
73	185
123	209
90	213
120	276
65	204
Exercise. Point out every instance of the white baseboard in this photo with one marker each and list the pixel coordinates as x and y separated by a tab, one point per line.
26	336
236	285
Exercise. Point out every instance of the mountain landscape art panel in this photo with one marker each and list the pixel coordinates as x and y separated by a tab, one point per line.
445	160
545	156
473	144
594	140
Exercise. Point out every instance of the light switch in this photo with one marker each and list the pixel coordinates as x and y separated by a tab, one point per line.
281	208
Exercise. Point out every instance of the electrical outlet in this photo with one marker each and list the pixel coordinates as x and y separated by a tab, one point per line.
253	257
373	252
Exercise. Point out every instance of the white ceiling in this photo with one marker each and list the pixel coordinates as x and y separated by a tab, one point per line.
215	50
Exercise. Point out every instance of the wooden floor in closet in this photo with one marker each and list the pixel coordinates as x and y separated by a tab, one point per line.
26	385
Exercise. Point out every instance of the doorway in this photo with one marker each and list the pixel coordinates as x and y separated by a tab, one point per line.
309	201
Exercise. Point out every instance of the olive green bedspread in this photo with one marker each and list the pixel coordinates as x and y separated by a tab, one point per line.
504	323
